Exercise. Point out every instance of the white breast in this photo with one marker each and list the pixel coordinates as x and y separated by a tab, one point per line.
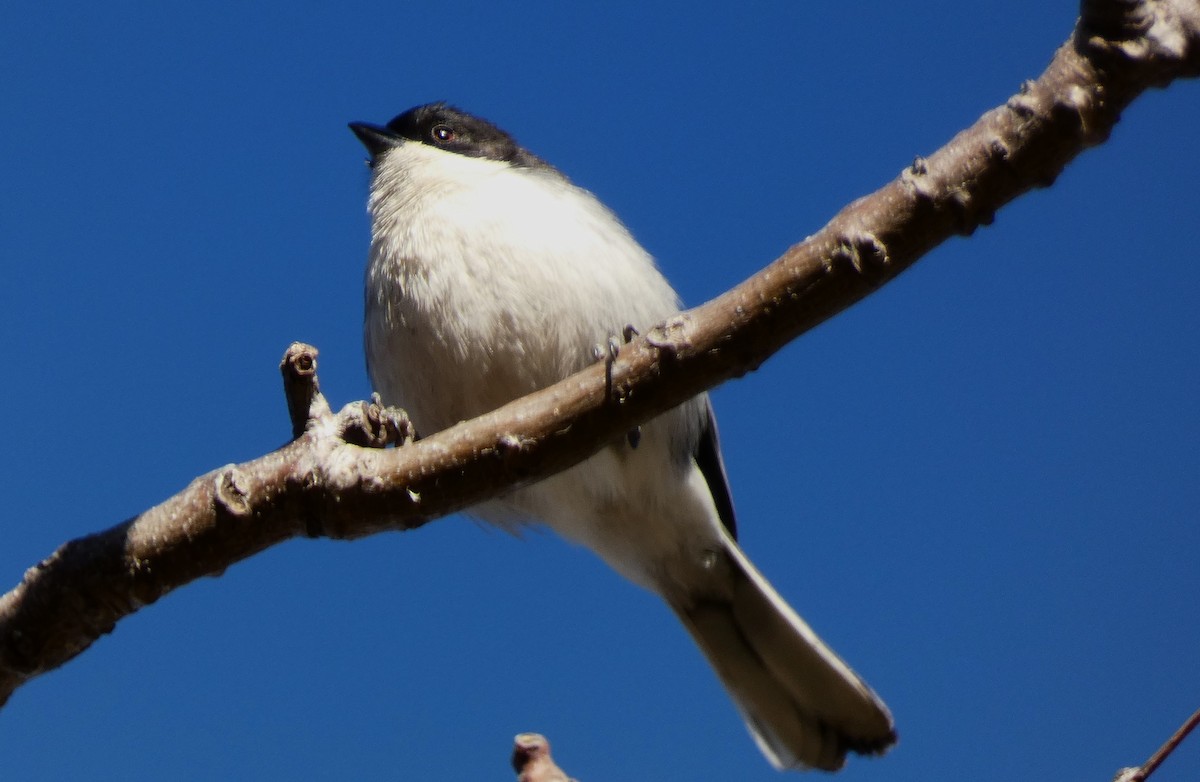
501	279
486	283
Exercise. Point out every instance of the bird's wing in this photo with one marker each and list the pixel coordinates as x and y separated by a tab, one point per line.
712	467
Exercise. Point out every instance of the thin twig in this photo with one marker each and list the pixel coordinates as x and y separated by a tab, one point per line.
1166	749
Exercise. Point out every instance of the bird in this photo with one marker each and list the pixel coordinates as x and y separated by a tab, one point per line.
491	275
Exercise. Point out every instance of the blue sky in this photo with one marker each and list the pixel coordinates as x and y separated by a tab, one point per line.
980	485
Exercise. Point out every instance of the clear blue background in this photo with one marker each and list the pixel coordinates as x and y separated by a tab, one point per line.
981	485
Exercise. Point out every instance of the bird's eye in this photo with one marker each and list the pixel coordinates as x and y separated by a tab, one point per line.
443	133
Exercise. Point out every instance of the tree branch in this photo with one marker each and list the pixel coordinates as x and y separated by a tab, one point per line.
532	762
1142	773
336	480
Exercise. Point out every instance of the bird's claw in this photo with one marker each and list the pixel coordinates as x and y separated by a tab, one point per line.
608	352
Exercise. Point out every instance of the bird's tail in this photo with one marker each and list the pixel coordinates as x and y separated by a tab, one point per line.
804	706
